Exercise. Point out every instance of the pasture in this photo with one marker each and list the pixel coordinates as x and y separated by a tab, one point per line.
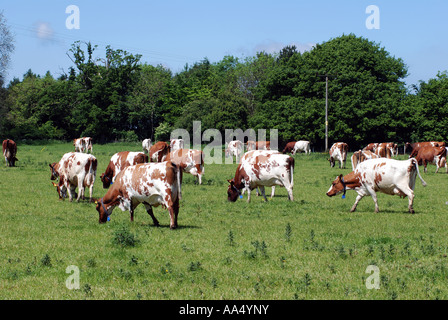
312	248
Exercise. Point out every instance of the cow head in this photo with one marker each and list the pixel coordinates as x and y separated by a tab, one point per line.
105	180
61	189
54	172
102	211
232	191
337	186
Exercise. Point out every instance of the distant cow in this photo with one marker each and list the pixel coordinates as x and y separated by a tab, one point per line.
190	161
371	147
258	145
83	144
146	145
159	151
235	148
9	152
176	144
383	151
151	184
360	156
75	169
262	169
384	175
118	162
414	147
338	152
302	146
434	155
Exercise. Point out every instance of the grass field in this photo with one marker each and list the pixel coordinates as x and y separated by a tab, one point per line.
312	248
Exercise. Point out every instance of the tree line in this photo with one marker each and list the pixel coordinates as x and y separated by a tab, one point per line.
117	97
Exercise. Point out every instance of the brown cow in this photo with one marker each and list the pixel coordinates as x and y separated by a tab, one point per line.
118	162
9	152
159	151
434	155
417	145
258	145
289	147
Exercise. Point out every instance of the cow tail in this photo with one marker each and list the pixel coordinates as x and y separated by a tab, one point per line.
415	163
291	171
92	171
179	180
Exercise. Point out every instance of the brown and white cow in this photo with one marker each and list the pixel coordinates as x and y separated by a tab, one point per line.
338	152
298	146
176	144
235	148
151	184
9	148
433	155
75	169
371	147
146	145
118	162
190	161
258	145
83	144
383	151
262	169
384	175
362	155
159	151
414	147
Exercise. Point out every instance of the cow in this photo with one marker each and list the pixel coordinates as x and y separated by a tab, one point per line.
383	151
190	161
9	148
434	155
389	176
414	147
371	147
159	151
360	156
235	148
118	162
83	144
258	145
262	169
338	152
289	147
176	144
75	169
295	146
146	145
152	184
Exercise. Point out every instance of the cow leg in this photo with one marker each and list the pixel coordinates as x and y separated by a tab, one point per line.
248	194
358	198
150	212
263	193
273	192
199	177
91	192
174	211
375	200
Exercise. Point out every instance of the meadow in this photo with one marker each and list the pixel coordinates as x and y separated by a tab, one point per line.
311	248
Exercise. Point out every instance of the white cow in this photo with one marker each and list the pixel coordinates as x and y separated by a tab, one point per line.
302	146
235	148
146	145
385	175
262	169
176	144
338	152
83	144
75	169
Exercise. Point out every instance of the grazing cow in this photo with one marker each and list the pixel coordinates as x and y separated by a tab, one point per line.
235	148
289	147
258	145
414	147
295	146
146	145
176	144
262	169
384	175
159	151
190	161
75	169
118	162
338	152
83	144
360	156
152	184
9	152
371	147
434	155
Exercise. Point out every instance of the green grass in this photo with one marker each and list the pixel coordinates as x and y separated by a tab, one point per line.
312	248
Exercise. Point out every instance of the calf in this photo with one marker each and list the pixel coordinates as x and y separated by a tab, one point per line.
262	169
159	151
384	175
434	155
152	184
338	152
118	162
190	161
9	148
235	148
75	169
360	156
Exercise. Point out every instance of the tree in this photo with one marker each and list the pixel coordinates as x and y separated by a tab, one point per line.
6	46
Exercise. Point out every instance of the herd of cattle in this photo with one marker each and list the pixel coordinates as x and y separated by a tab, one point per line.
154	177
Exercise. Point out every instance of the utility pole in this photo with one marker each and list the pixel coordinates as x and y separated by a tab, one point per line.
326	75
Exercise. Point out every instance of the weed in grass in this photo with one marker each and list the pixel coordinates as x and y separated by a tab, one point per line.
194	266
91	263
231	238
288	232
87	289
133	261
214	283
124	238
46	260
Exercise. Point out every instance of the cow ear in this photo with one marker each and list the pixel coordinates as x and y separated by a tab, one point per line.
341	176
54	184
230	181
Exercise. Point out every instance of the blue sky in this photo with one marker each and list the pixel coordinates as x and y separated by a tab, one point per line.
173	33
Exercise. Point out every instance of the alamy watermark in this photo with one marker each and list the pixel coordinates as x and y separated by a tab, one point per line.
373	20
73	20
373	281
72	281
